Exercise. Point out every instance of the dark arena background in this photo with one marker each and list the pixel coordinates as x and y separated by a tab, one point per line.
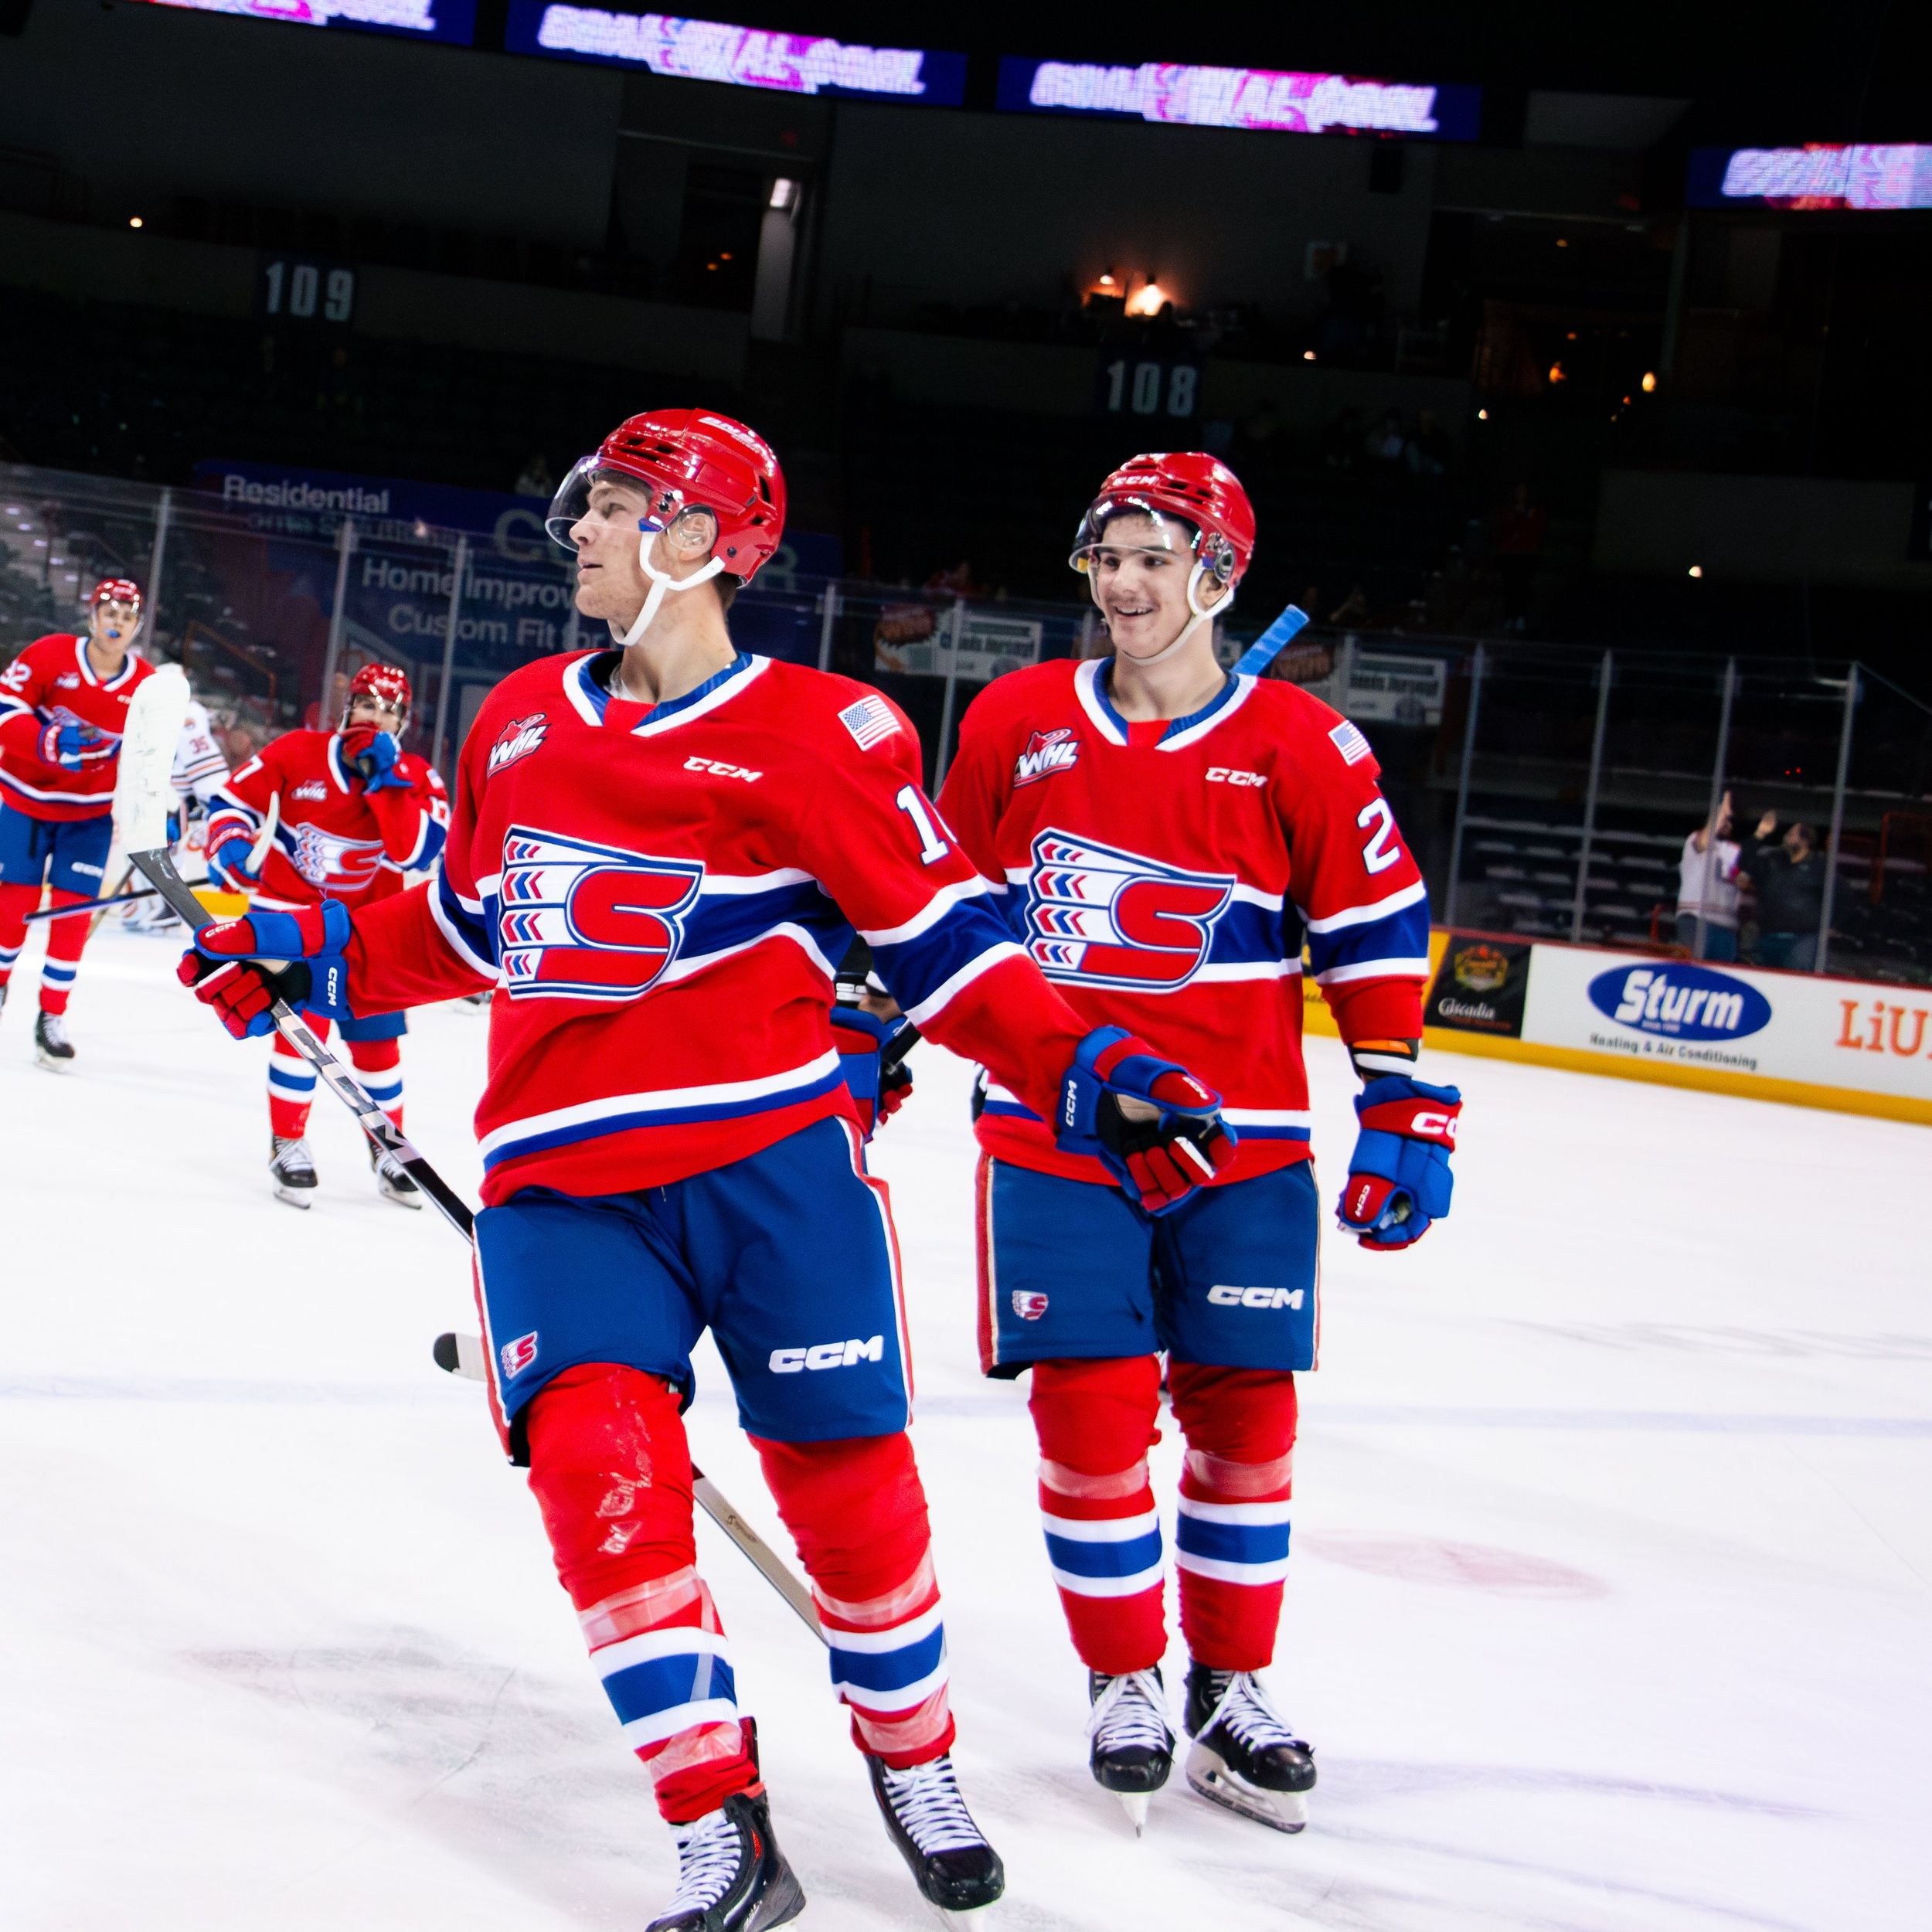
1576	360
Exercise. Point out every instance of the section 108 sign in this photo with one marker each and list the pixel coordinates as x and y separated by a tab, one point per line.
1163	388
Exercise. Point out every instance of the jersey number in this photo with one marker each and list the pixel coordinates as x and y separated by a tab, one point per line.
933	844
1381	852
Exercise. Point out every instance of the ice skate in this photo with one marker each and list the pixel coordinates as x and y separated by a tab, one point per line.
951	1863
1244	1757
732	1877
51	1047
1133	1743
291	1171
391	1182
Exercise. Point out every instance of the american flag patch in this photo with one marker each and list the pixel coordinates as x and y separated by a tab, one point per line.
1350	743
870	720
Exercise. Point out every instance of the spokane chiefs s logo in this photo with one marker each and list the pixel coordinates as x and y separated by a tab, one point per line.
1046	752
1107	918
581	921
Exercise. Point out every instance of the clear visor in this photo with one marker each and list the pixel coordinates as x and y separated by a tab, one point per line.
572	502
1169	536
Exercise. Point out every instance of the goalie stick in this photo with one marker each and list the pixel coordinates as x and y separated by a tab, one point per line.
154	716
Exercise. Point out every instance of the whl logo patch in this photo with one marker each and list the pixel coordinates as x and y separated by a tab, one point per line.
1099	916
1046	752
518	739
580	921
1680	1002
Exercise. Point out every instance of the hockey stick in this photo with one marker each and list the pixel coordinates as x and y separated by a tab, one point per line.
116	898
155	714
1270	644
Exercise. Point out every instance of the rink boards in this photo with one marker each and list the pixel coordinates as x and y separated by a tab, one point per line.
1856	1046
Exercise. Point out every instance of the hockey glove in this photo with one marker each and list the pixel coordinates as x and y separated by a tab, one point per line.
226	971
372	755
1399	1178
231	867
71	747
879	1089
1149	1121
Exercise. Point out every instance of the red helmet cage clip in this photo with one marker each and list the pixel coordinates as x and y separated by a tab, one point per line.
690	460
1197	488
388	684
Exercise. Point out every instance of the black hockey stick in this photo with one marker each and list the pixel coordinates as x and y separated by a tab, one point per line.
113	899
147	759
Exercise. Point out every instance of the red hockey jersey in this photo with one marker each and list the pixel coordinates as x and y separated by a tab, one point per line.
1163	876
52	683
662	895
334	838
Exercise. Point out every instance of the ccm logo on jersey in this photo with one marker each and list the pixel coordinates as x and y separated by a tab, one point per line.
517	739
1099	916
719	771
1224	1297
1227	775
580	921
517	1356
1046	752
826	1354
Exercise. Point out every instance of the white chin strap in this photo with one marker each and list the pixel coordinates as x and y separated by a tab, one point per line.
662	585
1193	624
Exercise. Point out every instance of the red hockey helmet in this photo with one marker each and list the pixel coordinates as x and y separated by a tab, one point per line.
388	684
114	590
1199	489
688	460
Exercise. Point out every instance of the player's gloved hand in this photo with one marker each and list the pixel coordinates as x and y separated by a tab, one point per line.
224	969
1157	1129
875	1069
371	754
232	867
73	746
1398	1178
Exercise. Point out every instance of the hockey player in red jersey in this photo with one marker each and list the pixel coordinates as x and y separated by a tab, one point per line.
1162	835
63	705
354	812
659	855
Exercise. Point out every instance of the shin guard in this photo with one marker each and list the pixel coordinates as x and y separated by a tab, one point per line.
1095	1421
611	1472
1231	1538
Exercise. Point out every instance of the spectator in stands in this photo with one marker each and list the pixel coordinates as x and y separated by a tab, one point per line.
1340	448
1520	528
1789	877
1430	449
1352	612
1707	892
534	479
1386	445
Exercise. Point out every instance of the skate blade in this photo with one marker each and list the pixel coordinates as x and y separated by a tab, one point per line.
1279	1811
396	1199
1134	1805
51	1064
295	1197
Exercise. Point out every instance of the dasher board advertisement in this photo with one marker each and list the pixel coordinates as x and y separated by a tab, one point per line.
1809	1029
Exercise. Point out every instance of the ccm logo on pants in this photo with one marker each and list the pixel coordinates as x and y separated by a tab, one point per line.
1227	1297
826	1354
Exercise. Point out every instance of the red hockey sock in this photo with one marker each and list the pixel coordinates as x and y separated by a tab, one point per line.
291	1086
66	939
1096	1422
1231	1541
380	1063
611	1472
857	1511
16	902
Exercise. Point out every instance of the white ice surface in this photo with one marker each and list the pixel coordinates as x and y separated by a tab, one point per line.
1609	1611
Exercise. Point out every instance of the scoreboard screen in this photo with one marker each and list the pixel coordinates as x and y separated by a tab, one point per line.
1830	175
450	20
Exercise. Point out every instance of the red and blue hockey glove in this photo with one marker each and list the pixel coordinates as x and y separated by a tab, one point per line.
225	968
372	755
72	746
231	867
874	1067
1398	1178
1154	1126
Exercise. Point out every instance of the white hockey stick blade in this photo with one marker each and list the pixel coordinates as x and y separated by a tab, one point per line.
144	784
266	837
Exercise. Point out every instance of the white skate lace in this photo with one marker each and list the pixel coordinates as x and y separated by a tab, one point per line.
1130	1714
709	1851
53	1029
1244	1709
925	1801
293	1157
